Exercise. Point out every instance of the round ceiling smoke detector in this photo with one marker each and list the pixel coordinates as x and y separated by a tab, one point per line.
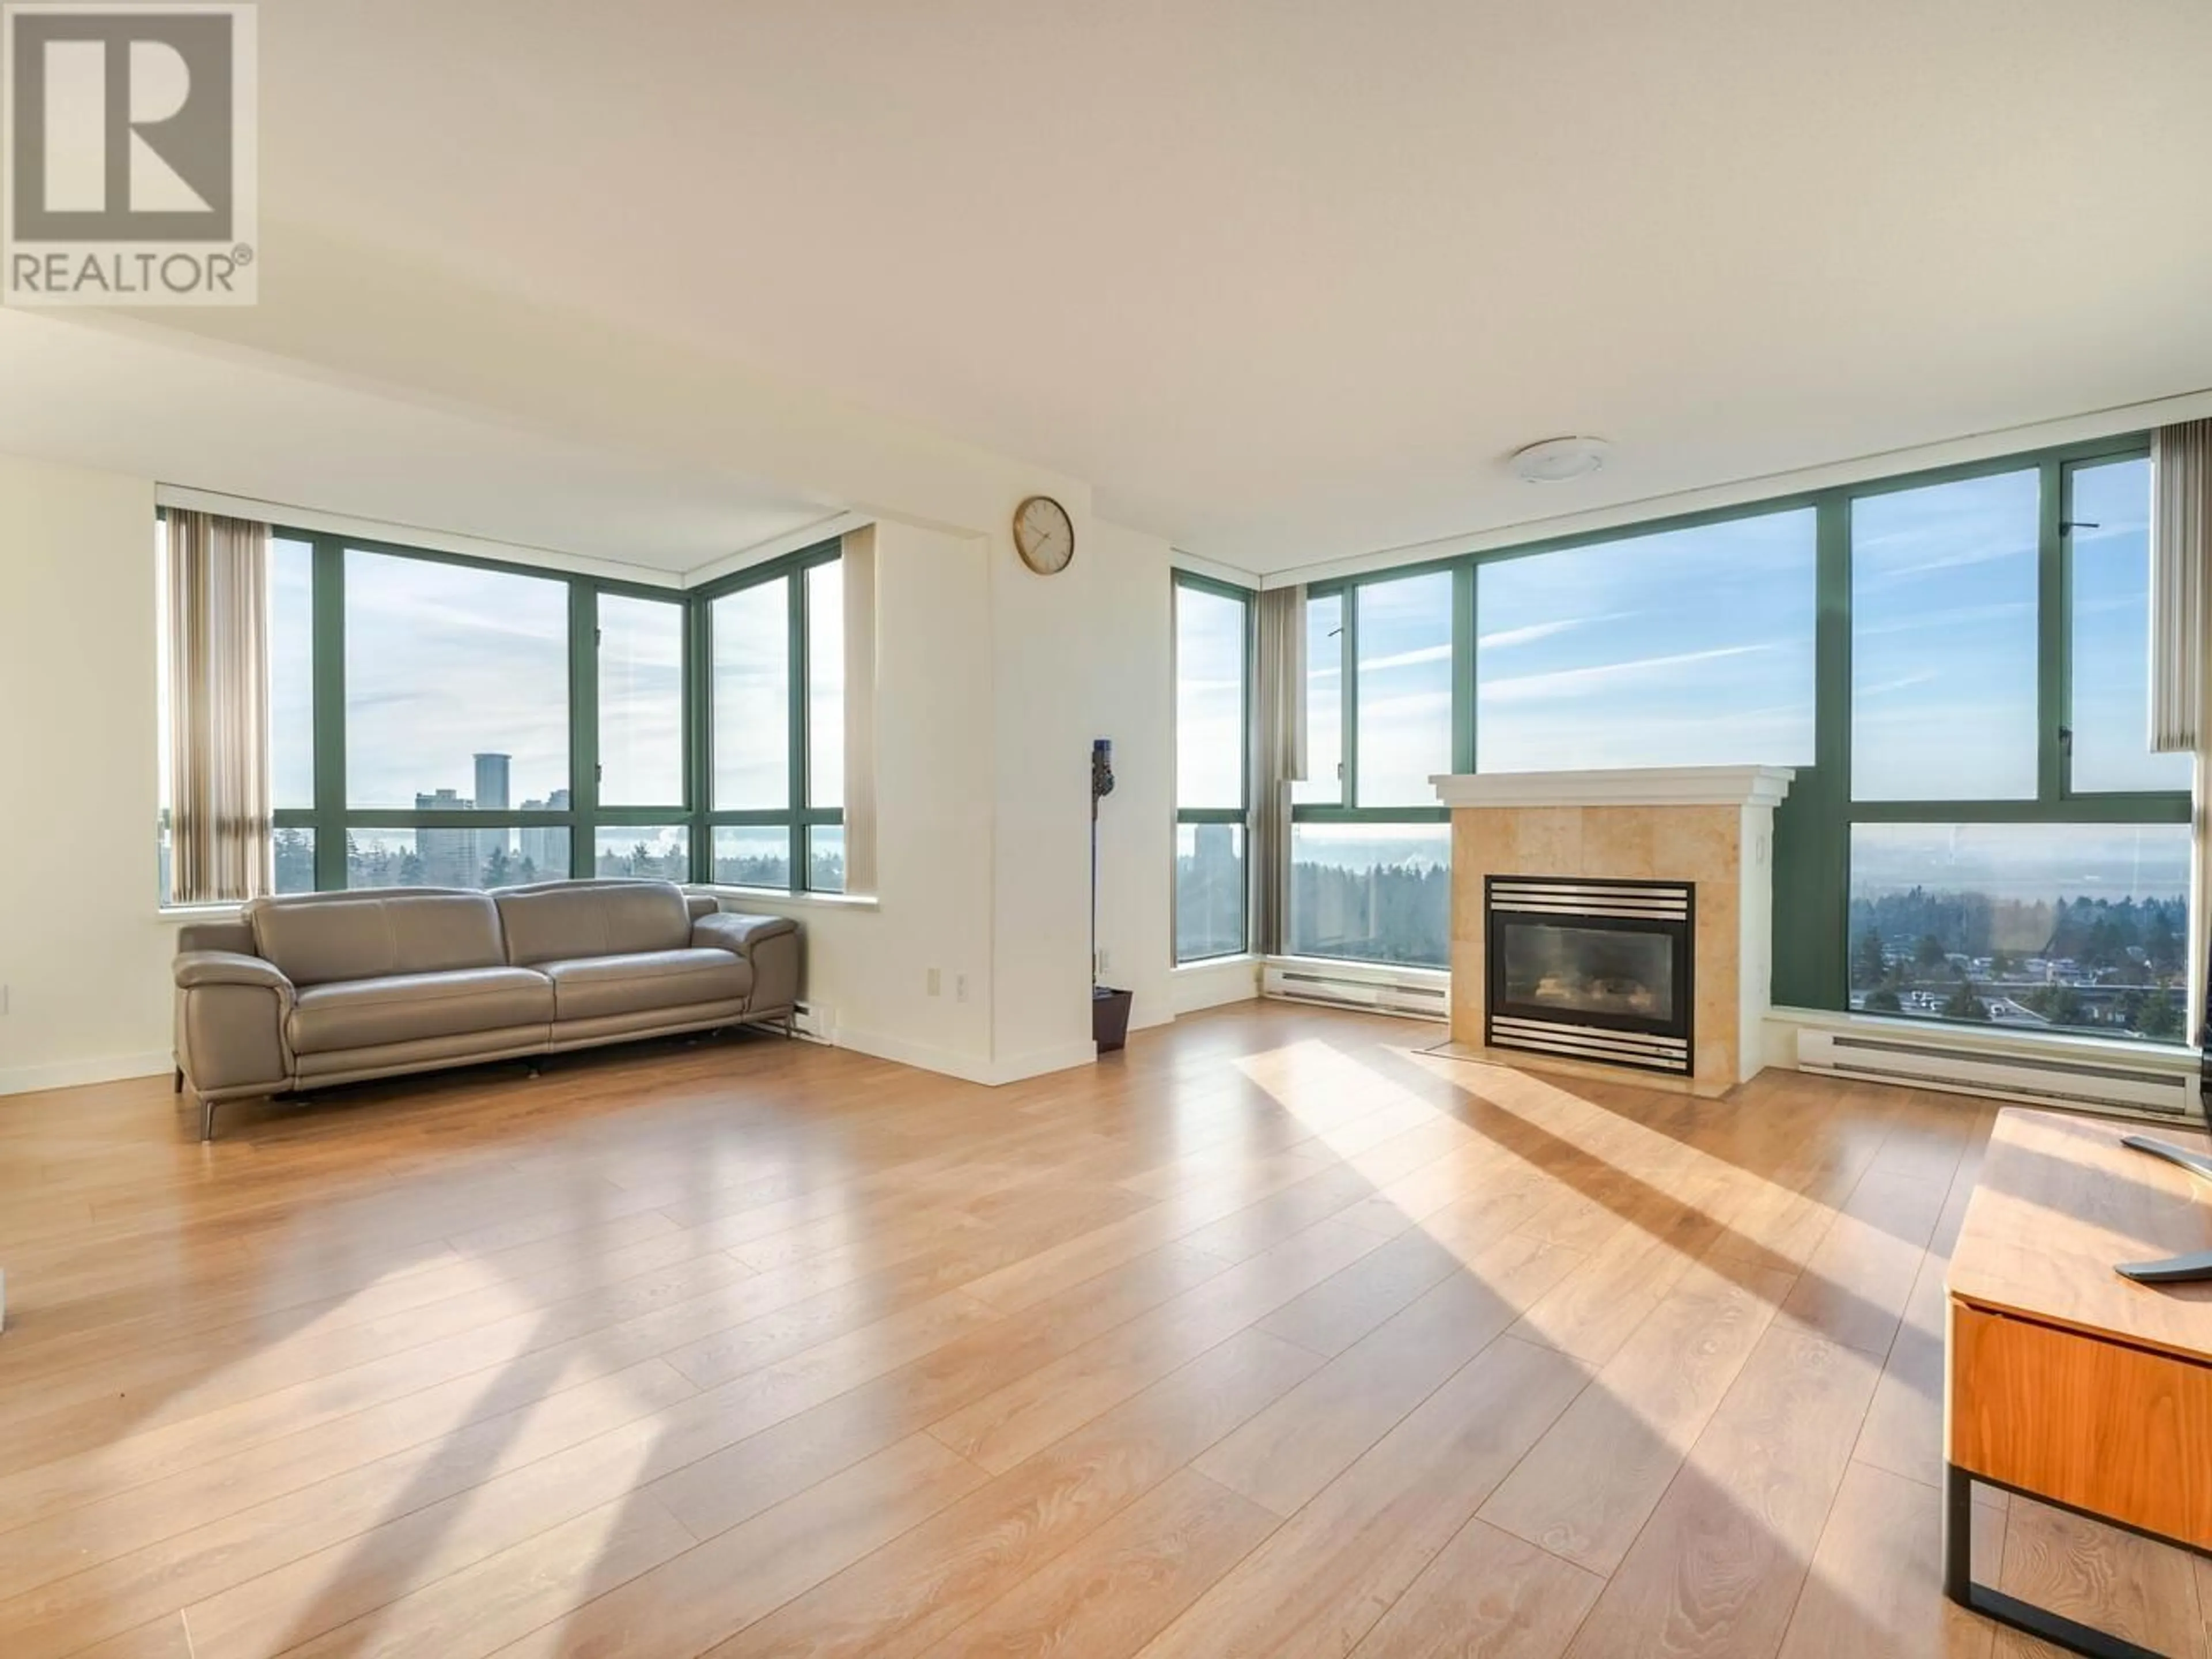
1558	460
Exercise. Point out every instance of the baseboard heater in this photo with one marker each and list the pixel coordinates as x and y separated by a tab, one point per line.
2079	1085
1368	993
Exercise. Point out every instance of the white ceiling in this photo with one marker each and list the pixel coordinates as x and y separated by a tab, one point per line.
1285	281
130	402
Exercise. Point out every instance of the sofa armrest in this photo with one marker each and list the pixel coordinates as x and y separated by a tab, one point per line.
230	1013
195	969
726	930
224	935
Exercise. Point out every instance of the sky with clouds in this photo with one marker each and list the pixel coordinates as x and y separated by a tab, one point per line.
1696	646
443	662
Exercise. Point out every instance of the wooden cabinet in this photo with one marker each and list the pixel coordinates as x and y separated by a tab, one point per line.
2100	1426
2066	1382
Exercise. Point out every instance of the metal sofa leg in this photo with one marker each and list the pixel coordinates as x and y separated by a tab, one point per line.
790	1023
207	1121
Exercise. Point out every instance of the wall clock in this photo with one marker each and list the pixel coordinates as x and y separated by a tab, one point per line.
1044	535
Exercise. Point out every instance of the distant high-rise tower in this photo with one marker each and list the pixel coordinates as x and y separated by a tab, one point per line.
491	796
491	782
545	850
447	857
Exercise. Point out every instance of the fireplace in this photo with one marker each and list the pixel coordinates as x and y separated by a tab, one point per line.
1592	969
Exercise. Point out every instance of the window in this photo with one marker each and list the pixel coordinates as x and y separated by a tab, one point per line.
752	697
2107	531
1944	585
292	680
825	858
2017	855
1211	650
456	685
776	725
1402	703
640	712
1617	654
2076	926
1955	663
1369	848
1213	660
1211	885
1323	784
660	852
825	692
748	857
441	721
398	856
294	852
1372	892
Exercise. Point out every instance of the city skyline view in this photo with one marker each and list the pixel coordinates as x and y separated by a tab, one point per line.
446	661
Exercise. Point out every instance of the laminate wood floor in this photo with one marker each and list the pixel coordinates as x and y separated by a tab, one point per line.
1270	1336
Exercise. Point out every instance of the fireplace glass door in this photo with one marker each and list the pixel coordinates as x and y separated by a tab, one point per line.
1596	970
1623	969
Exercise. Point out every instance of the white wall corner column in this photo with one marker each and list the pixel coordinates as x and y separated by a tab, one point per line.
1710	828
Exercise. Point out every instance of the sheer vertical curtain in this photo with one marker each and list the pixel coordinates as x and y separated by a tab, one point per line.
2180	636
1279	757
2181	586
218	624
859	554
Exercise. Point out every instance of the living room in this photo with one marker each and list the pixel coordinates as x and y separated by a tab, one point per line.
880	830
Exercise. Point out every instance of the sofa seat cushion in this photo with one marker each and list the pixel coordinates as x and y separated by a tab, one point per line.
361	1013
590	988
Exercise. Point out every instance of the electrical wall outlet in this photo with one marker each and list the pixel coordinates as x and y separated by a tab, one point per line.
1105	965
936	982
960	987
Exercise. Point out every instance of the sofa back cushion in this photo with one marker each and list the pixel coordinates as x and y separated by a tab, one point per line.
317	938
560	922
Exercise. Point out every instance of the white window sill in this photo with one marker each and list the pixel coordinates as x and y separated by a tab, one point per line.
231	910
779	897
1211	964
177	915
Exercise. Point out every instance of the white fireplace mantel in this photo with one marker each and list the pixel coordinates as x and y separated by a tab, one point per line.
1633	785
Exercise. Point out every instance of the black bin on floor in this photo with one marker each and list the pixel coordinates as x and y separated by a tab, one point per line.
1109	1017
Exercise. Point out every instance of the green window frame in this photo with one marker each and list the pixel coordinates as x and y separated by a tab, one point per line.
1814	824
1348	810
1239	816
331	820
799	815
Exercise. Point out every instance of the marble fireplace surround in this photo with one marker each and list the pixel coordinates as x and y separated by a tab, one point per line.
1712	826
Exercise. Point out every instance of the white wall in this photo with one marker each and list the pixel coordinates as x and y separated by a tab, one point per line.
82	954
1134	704
867	967
991	683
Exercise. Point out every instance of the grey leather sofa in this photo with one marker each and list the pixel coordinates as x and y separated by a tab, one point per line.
338	988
